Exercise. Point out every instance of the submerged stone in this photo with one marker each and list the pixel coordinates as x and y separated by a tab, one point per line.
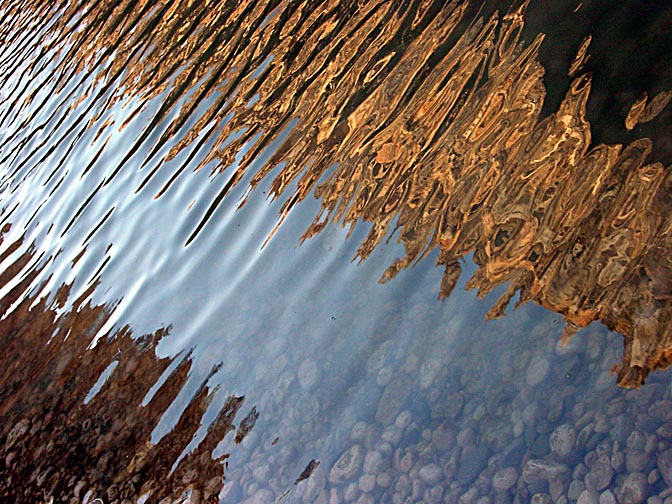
664	462
393	399
504	479
347	466
430	474
634	489
543	470
473	460
562	441
600	473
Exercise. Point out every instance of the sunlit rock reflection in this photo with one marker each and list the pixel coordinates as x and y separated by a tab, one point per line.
422	119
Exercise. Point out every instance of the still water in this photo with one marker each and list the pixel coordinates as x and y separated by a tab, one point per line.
221	226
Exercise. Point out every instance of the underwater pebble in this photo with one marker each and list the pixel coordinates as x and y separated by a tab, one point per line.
430	474
636	460
576	488
607	497
351	492
403	486
417	489
393	399
633	490
664	462
365	499
384	376
367	483
384	479
504	479
379	357
543	470
358	431
562	441
434	494
308	374
469	497
405	461
411	364
636	441
661	410
466	437
347	465
618	461
665	430
653	477
584	435
600	474
472	461
479	413
443	437
588	497
557	488
537	371
531	414
579	472
404	419
392	434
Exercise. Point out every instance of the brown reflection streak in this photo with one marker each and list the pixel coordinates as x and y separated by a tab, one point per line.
642	112
581	58
432	122
52	444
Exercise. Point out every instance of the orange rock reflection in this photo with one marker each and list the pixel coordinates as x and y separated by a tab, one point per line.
424	119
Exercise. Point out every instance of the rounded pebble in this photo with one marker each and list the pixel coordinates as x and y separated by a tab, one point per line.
504	479
430	474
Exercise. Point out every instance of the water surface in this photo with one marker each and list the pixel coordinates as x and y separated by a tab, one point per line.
199	201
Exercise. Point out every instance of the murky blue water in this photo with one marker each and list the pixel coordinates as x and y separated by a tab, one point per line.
398	396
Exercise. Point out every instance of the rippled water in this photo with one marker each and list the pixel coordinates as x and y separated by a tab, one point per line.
200	198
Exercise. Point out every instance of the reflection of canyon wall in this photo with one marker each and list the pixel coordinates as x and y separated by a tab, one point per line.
52	444
423	118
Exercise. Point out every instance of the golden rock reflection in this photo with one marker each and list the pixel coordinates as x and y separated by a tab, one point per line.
424	119
643	111
61	441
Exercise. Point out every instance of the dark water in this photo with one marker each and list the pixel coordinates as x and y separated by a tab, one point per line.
198	203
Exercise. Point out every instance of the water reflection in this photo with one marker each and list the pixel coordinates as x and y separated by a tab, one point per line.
423	119
77	420
138	144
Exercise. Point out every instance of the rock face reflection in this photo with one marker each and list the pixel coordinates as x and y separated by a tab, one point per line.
425	119
63	437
